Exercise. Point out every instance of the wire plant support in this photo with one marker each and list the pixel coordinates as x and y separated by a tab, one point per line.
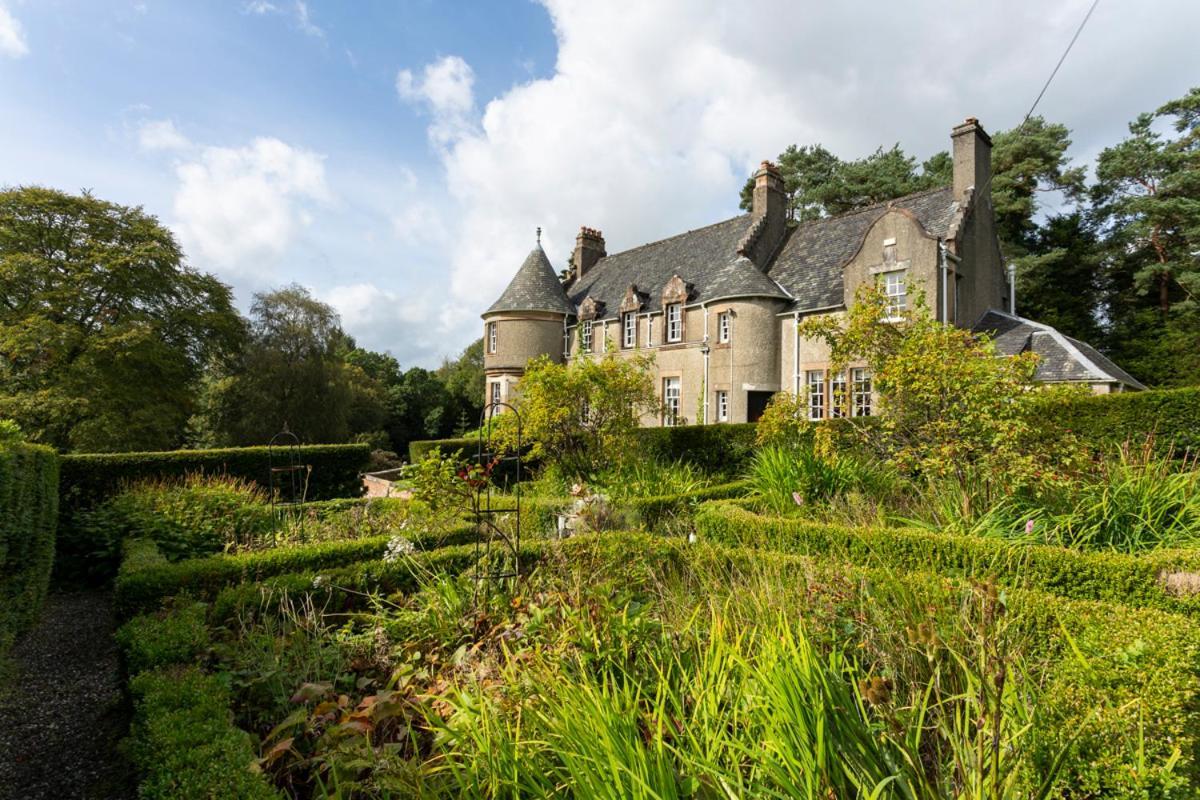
497	551
288	478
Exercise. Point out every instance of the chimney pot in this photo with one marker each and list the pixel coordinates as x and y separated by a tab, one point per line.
589	248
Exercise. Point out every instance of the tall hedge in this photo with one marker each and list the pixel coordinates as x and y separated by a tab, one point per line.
89	479
1172	416
28	517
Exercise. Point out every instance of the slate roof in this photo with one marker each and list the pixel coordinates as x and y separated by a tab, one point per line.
705	258
807	270
1061	357
809	264
535	287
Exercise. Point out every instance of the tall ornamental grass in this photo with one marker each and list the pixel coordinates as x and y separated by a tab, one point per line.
785	477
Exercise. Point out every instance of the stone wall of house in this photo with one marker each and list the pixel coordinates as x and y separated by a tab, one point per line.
897	242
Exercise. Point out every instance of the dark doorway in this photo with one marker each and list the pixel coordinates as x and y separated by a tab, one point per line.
756	404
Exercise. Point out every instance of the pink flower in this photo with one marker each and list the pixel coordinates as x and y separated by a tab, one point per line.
797	498
1029	527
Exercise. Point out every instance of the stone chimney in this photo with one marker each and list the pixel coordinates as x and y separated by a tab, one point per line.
768	217
972	152
589	248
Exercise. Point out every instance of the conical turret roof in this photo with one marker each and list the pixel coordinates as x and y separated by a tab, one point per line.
535	287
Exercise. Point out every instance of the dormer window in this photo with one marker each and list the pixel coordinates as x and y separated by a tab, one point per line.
629	330
585	336
674	324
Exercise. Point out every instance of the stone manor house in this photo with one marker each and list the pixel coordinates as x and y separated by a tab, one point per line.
718	307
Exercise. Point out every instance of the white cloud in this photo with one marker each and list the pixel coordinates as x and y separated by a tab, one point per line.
648	126
237	210
446	87
161	134
12	35
298	11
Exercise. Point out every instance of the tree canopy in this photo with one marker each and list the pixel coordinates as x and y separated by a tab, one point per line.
104	330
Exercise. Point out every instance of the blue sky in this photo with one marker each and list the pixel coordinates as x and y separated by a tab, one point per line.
395	157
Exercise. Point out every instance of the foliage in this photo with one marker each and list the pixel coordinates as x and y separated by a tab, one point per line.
89	480
949	407
1169	418
183	741
1134	580
139	590
581	416
1144	201
1059	280
1137	502
290	373
28	518
176	635
720	450
103	328
786	477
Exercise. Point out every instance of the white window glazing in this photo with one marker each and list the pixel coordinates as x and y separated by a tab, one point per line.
585	336
674	322
861	390
895	289
495	393
724	327
816	393
628	330
671	401
491	337
722	405
837	395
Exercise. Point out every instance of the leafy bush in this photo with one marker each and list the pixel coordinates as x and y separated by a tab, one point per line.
183	742
28	518
781	475
196	516
176	635
89	479
1171	417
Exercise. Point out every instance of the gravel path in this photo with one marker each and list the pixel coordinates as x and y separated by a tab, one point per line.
63	715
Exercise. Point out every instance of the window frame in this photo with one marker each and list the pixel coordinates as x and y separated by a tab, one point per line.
722	405
838	397
491	337
673	323
629	330
671	404
724	327
585	336
814	380
496	393
897	303
860	392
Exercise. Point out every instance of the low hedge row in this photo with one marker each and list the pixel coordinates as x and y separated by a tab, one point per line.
142	588
1122	684
1141	580
28	518
183	742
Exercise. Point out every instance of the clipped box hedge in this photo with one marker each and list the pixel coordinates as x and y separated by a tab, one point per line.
28	519
144	581
1157	580
183	741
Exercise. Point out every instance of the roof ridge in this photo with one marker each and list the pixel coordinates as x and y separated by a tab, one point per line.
874	206
677	235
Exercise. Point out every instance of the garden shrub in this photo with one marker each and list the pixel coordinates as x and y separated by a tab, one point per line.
183	742
1141	580
140	590
28	518
176	635
88	479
